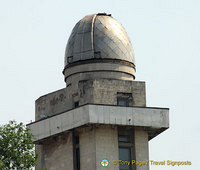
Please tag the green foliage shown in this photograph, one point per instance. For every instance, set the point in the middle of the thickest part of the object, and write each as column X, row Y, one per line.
column 16, row 147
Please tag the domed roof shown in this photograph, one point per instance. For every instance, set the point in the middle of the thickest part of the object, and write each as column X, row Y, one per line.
column 98, row 36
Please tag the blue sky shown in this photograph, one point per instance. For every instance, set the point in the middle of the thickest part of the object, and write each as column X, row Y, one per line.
column 165, row 35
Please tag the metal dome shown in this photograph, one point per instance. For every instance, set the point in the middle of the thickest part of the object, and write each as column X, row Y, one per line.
column 98, row 48
column 98, row 36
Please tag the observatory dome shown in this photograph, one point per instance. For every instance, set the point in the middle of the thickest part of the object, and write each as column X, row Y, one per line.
column 99, row 43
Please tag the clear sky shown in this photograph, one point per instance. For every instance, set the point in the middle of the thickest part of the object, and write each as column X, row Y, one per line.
column 165, row 35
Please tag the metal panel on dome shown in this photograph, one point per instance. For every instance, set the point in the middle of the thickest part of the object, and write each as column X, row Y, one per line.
column 111, row 38
column 79, row 46
column 98, row 36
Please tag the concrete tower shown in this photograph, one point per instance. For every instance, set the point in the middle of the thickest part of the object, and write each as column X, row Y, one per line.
column 100, row 120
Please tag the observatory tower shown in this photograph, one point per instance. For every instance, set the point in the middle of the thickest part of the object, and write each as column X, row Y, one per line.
column 100, row 118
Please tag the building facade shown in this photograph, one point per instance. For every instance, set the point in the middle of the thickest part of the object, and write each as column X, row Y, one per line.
column 100, row 119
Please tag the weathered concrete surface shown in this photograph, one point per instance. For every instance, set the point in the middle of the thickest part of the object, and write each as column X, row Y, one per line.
column 56, row 115
column 141, row 148
column 97, row 143
column 97, row 71
column 96, row 91
column 154, row 118
column 56, row 153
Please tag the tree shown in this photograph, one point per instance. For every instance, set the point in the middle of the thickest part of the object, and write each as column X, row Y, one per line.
column 16, row 147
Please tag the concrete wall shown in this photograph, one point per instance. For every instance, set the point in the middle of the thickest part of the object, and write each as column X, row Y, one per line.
column 107, row 146
column 95, row 91
column 98, row 135
column 105, row 91
column 87, row 145
column 141, row 148
column 97, row 143
column 56, row 153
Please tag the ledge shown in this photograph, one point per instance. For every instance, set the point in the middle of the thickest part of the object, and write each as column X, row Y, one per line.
column 154, row 120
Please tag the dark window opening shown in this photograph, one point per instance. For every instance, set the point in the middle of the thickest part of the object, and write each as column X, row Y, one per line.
column 76, row 104
column 123, row 138
column 70, row 59
column 122, row 102
column 77, row 159
column 125, row 155
column 124, row 99
column 97, row 54
column 77, row 140
column 126, row 147
column 77, row 153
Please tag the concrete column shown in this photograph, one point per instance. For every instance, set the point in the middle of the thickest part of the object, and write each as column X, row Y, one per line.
column 87, row 147
column 107, row 146
column 141, row 148
column 56, row 153
column 97, row 143
column 39, row 150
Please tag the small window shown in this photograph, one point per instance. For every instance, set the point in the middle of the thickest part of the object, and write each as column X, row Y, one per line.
column 123, row 138
column 77, row 140
column 77, row 159
column 124, row 99
column 70, row 59
column 76, row 104
column 97, row 54
column 122, row 102
column 77, row 152
column 126, row 146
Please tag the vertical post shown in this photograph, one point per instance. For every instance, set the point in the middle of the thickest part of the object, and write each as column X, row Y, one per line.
column 141, row 148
